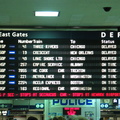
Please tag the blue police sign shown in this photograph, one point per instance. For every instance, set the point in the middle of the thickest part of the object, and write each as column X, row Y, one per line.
column 72, row 102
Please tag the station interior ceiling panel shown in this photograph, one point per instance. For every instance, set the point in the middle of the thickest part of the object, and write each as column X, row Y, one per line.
column 73, row 14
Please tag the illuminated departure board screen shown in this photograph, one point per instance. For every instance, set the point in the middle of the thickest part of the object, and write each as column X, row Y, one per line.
column 53, row 64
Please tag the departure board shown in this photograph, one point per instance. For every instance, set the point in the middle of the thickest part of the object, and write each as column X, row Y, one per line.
column 56, row 64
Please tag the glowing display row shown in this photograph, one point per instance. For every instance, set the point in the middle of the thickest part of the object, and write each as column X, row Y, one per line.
column 61, row 94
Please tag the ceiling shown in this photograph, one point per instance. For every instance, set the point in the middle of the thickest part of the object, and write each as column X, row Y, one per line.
column 73, row 13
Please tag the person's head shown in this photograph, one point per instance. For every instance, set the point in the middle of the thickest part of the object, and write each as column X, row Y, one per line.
column 80, row 118
column 69, row 118
column 61, row 118
column 55, row 118
column 32, row 118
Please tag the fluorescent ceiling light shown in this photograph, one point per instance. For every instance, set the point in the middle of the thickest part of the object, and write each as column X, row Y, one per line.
column 47, row 13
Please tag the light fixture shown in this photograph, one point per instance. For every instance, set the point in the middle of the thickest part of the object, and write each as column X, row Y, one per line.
column 47, row 13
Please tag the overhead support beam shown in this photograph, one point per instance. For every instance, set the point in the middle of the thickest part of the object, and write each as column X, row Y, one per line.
column 59, row 27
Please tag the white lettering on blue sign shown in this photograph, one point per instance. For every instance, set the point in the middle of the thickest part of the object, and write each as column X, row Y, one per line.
column 73, row 102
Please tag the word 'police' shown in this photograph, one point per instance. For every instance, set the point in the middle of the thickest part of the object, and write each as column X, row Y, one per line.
column 72, row 102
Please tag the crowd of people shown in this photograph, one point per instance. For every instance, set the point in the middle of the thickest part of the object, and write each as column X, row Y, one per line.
column 62, row 118
column 71, row 118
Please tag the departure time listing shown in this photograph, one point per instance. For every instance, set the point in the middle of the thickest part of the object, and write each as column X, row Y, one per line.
column 59, row 64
